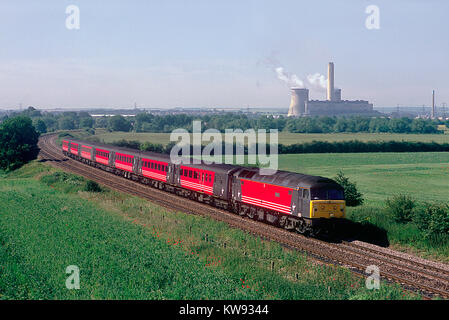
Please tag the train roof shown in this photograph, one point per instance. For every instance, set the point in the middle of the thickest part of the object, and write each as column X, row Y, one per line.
column 128, row 151
column 217, row 167
column 281, row 178
column 288, row 179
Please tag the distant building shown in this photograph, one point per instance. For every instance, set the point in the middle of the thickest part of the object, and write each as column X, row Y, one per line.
column 301, row 105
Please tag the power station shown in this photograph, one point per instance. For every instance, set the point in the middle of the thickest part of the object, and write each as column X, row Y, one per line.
column 300, row 104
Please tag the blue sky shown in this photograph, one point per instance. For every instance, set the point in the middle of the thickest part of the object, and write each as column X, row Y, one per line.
column 219, row 53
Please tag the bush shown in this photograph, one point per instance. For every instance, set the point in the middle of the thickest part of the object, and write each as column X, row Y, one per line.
column 433, row 220
column 154, row 147
column 65, row 135
column 401, row 208
column 352, row 196
column 131, row 144
column 18, row 143
column 92, row 186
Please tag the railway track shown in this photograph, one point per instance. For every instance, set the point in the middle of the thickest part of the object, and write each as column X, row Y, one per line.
column 415, row 274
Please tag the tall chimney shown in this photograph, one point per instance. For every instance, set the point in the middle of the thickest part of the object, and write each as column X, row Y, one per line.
column 433, row 104
column 330, row 81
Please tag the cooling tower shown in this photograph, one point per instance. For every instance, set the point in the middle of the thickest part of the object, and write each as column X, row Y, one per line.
column 298, row 104
column 330, row 81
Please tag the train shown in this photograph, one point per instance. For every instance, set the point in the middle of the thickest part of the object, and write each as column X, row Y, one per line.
column 310, row 205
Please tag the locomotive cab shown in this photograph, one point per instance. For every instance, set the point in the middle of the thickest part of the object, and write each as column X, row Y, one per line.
column 327, row 202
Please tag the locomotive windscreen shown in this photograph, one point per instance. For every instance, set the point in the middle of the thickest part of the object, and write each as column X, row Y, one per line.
column 327, row 194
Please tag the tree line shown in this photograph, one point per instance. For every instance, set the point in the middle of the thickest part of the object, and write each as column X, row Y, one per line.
column 146, row 122
column 156, row 123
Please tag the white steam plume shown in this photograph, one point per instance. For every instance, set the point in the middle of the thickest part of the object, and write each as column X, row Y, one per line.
column 317, row 80
column 291, row 80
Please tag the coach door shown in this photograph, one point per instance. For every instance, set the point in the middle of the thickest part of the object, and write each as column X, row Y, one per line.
column 173, row 172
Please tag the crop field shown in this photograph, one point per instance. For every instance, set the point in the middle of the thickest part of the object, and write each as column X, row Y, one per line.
column 128, row 248
column 284, row 137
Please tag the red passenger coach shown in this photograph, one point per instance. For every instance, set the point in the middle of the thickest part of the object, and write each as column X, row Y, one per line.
column 124, row 161
column 86, row 152
column 65, row 145
column 266, row 195
column 102, row 156
column 154, row 169
column 74, row 148
column 197, row 179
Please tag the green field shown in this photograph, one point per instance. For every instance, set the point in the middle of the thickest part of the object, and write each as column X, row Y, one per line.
column 128, row 248
column 423, row 175
column 284, row 137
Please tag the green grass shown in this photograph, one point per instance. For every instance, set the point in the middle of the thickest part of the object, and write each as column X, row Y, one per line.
column 128, row 248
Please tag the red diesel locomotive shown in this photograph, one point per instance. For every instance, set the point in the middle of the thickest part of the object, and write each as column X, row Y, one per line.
column 294, row 201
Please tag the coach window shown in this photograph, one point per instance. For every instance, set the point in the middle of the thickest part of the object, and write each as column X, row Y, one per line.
column 277, row 195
